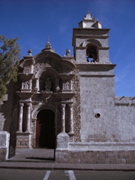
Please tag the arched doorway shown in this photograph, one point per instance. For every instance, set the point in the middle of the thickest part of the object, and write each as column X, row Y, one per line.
column 45, row 129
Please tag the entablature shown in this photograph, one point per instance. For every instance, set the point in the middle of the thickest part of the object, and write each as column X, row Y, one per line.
column 90, row 66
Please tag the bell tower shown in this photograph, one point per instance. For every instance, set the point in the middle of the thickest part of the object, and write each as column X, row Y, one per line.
column 96, row 79
column 90, row 41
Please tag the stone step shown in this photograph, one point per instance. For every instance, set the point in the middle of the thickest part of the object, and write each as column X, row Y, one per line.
column 31, row 159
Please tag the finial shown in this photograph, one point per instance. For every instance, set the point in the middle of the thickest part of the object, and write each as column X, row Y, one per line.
column 29, row 52
column 68, row 52
column 48, row 47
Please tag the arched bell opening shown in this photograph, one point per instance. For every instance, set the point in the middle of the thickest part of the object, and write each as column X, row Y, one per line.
column 92, row 53
column 45, row 129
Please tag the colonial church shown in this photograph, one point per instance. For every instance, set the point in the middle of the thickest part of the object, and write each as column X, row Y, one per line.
column 68, row 103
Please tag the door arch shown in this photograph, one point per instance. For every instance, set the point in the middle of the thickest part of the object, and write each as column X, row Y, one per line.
column 45, row 129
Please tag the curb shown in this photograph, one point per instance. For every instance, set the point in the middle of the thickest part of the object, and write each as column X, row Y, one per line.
column 60, row 166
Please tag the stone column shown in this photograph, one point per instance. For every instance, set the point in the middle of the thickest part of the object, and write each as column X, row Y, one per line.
column 30, row 87
column 63, row 117
column 21, row 117
column 63, row 137
column 71, row 119
column 28, row 117
column 71, row 85
column 37, row 85
column 32, row 68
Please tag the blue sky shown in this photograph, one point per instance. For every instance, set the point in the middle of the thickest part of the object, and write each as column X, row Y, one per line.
column 34, row 20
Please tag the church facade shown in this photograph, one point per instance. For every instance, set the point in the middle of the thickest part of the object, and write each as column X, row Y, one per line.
column 69, row 104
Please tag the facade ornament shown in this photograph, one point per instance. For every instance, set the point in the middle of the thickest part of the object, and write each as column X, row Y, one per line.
column 68, row 52
column 26, row 85
column 29, row 52
column 48, row 47
column 66, row 86
column 27, row 70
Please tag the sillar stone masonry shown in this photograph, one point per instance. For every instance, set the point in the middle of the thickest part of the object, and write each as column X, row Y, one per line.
column 68, row 103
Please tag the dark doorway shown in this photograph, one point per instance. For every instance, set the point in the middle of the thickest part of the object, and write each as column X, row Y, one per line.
column 45, row 129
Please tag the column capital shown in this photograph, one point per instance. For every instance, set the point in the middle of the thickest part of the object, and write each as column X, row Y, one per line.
column 63, row 105
column 70, row 105
column 21, row 104
column 28, row 104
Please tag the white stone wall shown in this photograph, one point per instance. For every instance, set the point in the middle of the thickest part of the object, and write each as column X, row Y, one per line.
column 97, row 96
column 125, row 119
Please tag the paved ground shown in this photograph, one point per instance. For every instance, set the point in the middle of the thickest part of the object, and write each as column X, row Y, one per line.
column 39, row 164
column 33, row 155
column 25, row 174
column 43, row 159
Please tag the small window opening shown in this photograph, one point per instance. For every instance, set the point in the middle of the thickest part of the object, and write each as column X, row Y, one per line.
column 97, row 115
column 91, row 53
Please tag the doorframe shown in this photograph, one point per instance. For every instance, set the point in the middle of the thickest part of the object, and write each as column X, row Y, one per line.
column 54, row 110
column 35, row 112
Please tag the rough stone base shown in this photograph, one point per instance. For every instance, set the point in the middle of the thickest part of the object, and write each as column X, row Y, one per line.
column 62, row 141
column 4, row 145
column 23, row 140
column 95, row 157
column 3, row 154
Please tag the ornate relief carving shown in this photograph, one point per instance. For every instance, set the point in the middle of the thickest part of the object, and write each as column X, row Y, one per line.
column 23, row 141
column 26, row 85
column 76, row 108
column 66, row 85
column 38, row 69
column 48, row 84
column 27, row 70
